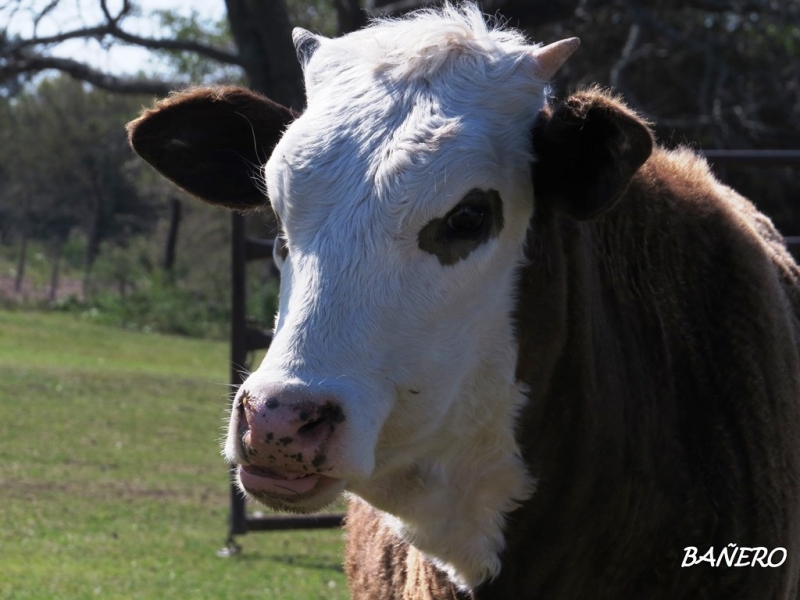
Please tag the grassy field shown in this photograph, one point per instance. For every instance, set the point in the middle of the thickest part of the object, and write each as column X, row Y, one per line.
column 111, row 483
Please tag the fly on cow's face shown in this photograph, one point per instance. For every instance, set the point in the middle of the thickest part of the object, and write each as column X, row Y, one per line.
column 472, row 222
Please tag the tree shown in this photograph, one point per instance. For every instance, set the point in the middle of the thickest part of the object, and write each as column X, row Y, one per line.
column 262, row 49
column 713, row 68
column 66, row 166
column 711, row 74
column 718, row 73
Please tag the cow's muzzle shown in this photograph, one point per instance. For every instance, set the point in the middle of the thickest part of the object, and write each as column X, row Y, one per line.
column 284, row 437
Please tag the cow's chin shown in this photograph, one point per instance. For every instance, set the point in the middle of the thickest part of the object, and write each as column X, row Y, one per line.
column 293, row 492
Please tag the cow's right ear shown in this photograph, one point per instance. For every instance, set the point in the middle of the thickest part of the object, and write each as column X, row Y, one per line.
column 587, row 150
column 212, row 142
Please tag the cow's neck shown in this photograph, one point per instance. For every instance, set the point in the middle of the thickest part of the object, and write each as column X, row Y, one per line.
column 456, row 502
column 609, row 432
column 575, row 430
column 452, row 500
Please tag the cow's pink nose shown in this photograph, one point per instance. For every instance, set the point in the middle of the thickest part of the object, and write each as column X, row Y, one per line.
column 288, row 430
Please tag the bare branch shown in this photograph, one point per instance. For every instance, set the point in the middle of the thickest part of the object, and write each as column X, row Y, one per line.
column 179, row 45
column 645, row 18
column 87, row 32
column 78, row 70
column 112, row 29
column 45, row 11
column 20, row 57
column 625, row 55
column 112, row 20
column 151, row 43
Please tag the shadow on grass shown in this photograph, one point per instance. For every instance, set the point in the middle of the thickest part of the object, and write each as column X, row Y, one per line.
column 294, row 560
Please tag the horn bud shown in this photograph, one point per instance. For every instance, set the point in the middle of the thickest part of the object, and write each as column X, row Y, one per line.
column 553, row 56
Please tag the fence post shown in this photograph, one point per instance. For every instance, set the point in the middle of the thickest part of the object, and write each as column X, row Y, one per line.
column 237, row 524
column 243, row 340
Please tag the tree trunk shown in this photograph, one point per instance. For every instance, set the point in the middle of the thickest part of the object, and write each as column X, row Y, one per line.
column 350, row 15
column 23, row 255
column 122, row 285
column 52, row 293
column 262, row 31
column 172, row 238
column 92, row 249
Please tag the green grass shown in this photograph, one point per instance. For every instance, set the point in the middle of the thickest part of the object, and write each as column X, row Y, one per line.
column 111, row 483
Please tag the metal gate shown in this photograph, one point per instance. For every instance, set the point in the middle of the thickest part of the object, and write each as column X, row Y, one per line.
column 246, row 339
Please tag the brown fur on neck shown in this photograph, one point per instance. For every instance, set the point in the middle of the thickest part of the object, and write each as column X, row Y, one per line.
column 659, row 343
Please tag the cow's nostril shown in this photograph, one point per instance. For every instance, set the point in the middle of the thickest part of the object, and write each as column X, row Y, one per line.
column 324, row 422
column 310, row 428
column 241, row 418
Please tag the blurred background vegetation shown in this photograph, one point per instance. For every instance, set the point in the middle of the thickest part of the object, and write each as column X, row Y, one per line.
column 86, row 227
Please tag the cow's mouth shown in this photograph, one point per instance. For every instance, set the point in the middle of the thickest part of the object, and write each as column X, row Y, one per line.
column 264, row 483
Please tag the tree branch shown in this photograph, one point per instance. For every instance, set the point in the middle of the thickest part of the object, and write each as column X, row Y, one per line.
column 126, row 8
column 87, row 32
column 44, row 12
column 111, row 28
column 180, row 45
column 625, row 55
column 542, row 12
column 78, row 70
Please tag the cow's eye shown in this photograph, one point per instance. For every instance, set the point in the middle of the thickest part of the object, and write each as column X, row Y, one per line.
column 280, row 250
column 468, row 220
column 472, row 222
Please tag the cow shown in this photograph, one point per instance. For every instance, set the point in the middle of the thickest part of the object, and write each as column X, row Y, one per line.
column 545, row 357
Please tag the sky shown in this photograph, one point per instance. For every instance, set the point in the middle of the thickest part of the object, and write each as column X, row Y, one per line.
column 72, row 14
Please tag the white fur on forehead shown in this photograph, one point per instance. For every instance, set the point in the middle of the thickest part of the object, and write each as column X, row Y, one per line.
column 455, row 111
column 427, row 41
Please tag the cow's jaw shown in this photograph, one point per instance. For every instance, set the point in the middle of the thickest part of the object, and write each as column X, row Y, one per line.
column 445, row 484
column 445, row 477
column 451, row 496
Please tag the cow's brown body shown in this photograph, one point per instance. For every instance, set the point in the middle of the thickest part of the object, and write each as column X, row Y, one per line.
column 659, row 341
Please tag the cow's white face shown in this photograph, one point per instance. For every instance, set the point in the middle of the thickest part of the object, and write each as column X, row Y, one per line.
column 404, row 193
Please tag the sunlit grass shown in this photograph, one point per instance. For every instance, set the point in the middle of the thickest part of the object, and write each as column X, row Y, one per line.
column 111, row 483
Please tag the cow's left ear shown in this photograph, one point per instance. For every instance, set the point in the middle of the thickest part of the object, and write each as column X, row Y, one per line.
column 587, row 148
column 212, row 142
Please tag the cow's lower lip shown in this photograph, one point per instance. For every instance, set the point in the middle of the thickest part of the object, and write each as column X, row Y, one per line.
column 266, row 482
